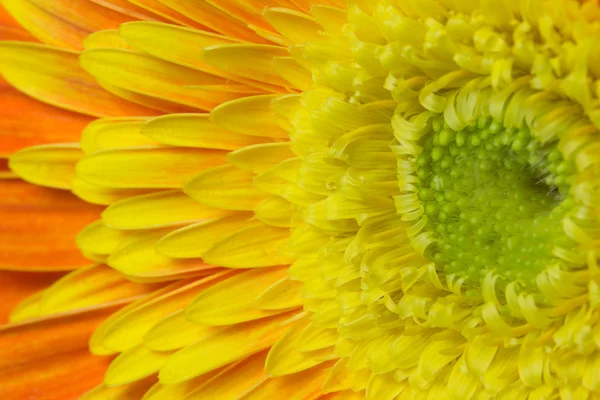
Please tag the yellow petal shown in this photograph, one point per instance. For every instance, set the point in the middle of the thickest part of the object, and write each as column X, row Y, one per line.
column 253, row 61
column 140, row 262
column 55, row 77
column 231, row 344
column 285, row 293
column 87, row 287
column 233, row 300
column 293, row 72
column 147, row 167
column 227, row 187
column 260, row 157
column 316, row 338
column 256, row 246
column 233, row 383
column 134, row 364
column 384, row 387
column 47, row 165
column 107, row 39
column 158, row 39
column 111, row 133
column 295, row 26
column 148, row 211
column 183, row 389
column 99, row 239
column 285, row 359
column 275, row 211
column 252, row 116
column 150, row 76
column 102, row 195
column 175, row 332
column 195, row 130
column 194, row 240
column 126, row 328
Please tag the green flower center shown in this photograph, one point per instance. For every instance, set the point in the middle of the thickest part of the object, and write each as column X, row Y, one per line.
column 494, row 198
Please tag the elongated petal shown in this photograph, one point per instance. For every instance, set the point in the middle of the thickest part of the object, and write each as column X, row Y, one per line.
column 18, row 285
column 233, row 300
column 111, row 133
column 195, row 130
column 62, row 22
column 235, row 381
column 157, row 7
column 147, row 167
column 230, row 344
column 40, row 226
column 27, row 122
column 285, row 359
column 150, row 76
column 215, row 19
column 102, row 195
column 141, row 262
column 47, row 165
column 94, row 285
column 251, row 61
column 132, row 391
column 134, row 364
column 50, row 356
column 252, row 116
column 194, row 240
column 261, row 157
column 175, row 332
column 126, row 328
column 301, row 386
column 295, row 26
column 285, row 293
column 54, row 76
column 147, row 211
column 256, row 246
column 225, row 186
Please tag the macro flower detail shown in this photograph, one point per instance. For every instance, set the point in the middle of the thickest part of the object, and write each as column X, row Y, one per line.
column 300, row 199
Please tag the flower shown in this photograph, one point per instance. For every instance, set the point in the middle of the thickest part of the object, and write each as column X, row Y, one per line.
column 312, row 199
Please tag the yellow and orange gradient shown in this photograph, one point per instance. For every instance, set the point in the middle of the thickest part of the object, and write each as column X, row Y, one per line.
column 299, row 199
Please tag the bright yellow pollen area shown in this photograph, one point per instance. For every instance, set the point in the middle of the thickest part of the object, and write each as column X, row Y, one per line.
column 378, row 200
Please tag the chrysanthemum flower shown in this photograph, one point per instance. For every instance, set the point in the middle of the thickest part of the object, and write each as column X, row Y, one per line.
column 300, row 199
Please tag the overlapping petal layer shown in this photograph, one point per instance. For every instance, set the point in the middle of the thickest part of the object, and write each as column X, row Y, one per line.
column 380, row 200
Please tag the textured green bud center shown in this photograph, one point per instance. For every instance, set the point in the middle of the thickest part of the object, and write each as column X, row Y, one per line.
column 494, row 198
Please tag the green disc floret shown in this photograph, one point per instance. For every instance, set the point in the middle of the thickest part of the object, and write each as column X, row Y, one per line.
column 494, row 199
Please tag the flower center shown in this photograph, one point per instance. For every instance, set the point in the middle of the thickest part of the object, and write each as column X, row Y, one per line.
column 494, row 198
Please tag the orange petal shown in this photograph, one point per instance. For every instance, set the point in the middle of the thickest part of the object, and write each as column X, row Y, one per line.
column 11, row 30
column 63, row 23
column 215, row 19
column 27, row 122
column 40, row 226
column 54, row 76
column 157, row 7
column 132, row 391
column 17, row 285
column 50, row 357
column 305, row 385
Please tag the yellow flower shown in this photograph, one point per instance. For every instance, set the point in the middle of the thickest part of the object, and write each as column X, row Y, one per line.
column 360, row 199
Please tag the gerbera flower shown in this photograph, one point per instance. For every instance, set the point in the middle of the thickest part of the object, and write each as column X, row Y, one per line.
column 300, row 199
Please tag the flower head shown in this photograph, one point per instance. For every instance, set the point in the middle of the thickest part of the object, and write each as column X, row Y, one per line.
column 319, row 199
